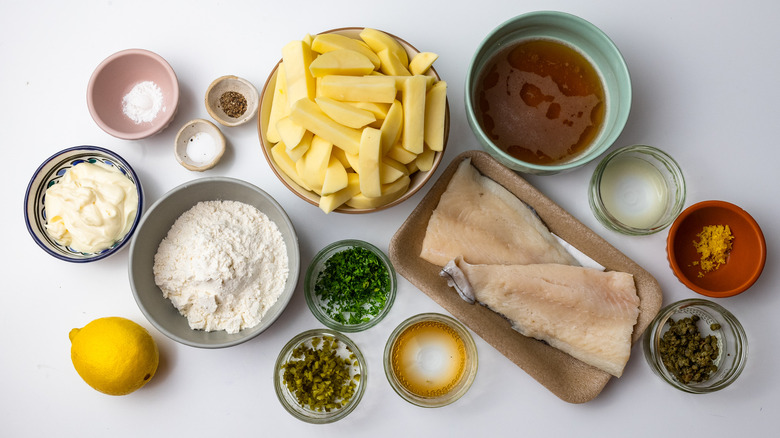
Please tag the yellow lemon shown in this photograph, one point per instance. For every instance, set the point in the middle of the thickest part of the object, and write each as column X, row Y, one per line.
column 114, row 355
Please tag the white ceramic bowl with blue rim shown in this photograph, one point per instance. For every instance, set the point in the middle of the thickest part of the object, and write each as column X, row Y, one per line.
column 50, row 173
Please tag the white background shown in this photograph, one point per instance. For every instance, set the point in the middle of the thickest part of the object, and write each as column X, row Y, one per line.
column 705, row 83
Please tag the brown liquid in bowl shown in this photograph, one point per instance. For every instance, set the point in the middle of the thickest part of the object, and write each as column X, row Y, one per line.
column 541, row 101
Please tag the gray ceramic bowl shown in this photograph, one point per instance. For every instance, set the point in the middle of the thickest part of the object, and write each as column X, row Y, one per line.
column 48, row 174
column 154, row 227
column 574, row 32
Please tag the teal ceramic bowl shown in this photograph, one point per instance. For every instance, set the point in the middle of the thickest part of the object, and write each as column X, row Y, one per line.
column 585, row 38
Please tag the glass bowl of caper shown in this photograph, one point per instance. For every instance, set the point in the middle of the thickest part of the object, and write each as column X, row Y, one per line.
column 696, row 345
column 320, row 376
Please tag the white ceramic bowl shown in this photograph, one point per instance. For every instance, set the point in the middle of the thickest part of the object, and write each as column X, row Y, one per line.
column 48, row 174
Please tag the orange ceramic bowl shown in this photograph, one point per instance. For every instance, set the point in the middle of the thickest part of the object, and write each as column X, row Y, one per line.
column 744, row 263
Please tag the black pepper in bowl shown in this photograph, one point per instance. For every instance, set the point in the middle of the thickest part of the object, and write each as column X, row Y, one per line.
column 233, row 104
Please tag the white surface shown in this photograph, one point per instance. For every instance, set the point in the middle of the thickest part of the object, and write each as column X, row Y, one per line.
column 705, row 90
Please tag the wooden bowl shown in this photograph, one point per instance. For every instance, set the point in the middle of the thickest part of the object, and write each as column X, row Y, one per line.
column 744, row 263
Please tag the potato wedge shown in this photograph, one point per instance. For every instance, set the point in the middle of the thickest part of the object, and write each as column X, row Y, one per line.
column 391, row 65
column 421, row 62
column 297, row 57
column 331, row 202
column 341, row 62
column 359, row 88
column 435, row 112
column 414, row 114
column 306, row 113
column 368, row 162
column 344, row 113
column 286, row 165
column 379, row 41
column 335, row 177
column 328, row 42
column 390, row 192
column 290, row 132
column 279, row 105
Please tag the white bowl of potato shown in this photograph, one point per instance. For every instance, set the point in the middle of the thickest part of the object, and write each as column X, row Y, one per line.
column 353, row 120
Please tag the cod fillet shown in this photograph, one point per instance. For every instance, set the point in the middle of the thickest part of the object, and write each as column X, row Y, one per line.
column 483, row 222
column 587, row 313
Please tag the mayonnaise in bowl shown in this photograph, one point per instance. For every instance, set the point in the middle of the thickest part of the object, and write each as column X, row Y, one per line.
column 91, row 207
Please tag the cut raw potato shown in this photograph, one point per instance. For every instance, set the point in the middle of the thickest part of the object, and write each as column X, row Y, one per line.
column 297, row 57
column 435, row 113
column 306, row 113
column 344, row 113
column 341, row 62
column 328, row 42
column 368, row 163
column 414, row 114
column 335, row 177
column 352, row 119
column 379, row 41
column 329, row 203
column 359, row 88
column 279, row 106
column 422, row 62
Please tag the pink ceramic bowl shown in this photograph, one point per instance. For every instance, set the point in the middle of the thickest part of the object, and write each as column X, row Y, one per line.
column 115, row 77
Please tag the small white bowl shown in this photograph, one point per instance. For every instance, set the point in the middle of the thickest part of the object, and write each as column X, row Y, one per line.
column 226, row 84
column 199, row 145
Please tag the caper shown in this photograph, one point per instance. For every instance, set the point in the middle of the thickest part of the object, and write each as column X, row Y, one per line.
column 686, row 354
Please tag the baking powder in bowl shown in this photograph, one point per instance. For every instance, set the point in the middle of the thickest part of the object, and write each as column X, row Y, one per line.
column 143, row 102
column 223, row 264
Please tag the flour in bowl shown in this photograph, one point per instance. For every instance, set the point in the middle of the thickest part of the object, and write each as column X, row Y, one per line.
column 223, row 264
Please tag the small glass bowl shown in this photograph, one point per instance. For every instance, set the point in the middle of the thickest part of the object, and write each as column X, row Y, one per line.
column 732, row 342
column 423, row 343
column 623, row 177
column 287, row 398
column 317, row 305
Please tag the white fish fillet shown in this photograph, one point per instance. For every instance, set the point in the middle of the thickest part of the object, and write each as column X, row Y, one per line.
column 587, row 313
column 483, row 222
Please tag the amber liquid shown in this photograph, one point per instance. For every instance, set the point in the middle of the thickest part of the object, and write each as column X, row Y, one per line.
column 541, row 101
column 429, row 358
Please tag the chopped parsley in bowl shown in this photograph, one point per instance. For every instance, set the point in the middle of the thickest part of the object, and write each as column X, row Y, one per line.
column 350, row 285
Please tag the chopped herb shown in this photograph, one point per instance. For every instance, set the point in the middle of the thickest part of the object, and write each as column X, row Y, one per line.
column 353, row 286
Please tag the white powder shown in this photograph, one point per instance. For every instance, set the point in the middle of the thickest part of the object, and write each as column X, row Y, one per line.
column 223, row 264
column 143, row 102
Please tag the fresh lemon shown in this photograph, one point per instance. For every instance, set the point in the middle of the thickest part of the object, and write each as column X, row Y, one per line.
column 114, row 355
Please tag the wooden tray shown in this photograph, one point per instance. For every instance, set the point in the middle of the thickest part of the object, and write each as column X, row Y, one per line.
column 568, row 378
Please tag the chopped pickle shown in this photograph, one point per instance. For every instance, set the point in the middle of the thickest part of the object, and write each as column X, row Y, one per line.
column 318, row 377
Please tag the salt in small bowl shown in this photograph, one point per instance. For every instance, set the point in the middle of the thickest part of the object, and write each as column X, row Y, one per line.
column 199, row 145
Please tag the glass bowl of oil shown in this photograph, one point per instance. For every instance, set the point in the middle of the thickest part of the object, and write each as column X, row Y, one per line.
column 637, row 190
column 430, row 360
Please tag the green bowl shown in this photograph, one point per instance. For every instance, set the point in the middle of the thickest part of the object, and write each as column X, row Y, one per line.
column 589, row 41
